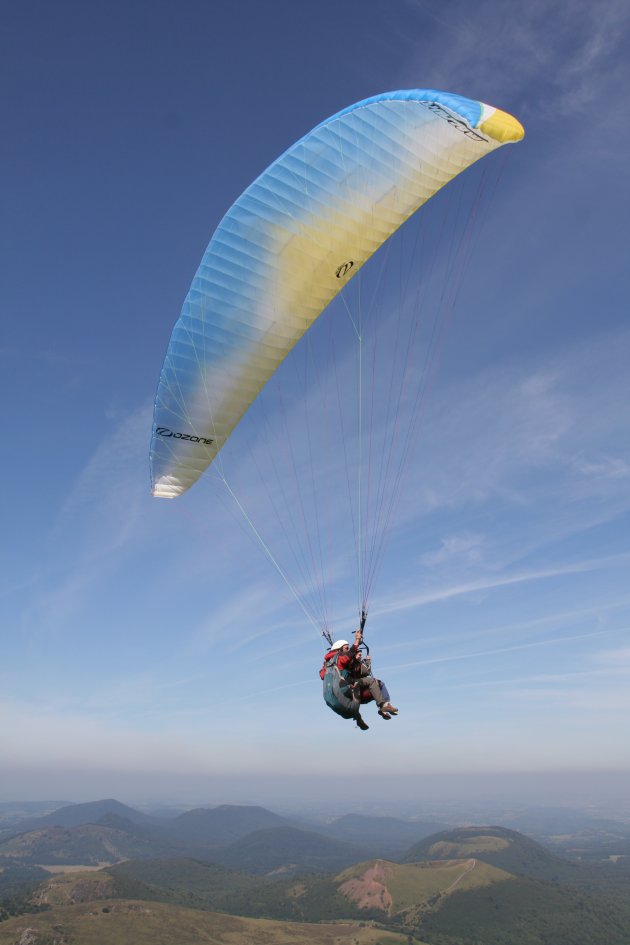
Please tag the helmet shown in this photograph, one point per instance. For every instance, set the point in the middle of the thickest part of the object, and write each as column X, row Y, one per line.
column 338, row 644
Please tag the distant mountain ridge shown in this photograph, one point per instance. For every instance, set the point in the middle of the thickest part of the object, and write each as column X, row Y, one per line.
column 245, row 838
column 77, row 815
column 225, row 834
column 288, row 850
column 222, row 825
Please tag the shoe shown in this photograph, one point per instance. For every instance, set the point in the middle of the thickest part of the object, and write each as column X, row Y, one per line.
column 388, row 707
column 361, row 724
column 384, row 715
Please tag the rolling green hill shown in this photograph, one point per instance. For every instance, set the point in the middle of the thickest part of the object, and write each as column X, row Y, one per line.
column 444, row 902
column 407, row 891
column 378, row 889
column 526, row 912
column 467, row 886
column 497, row 846
column 287, row 850
column 16, row 877
column 126, row 921
column 183, row 881
column 88, row 845
column 203, row 886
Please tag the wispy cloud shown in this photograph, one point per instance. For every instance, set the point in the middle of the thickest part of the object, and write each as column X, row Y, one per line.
column 106, row 495
column 572, row 58
column 466, row 547
column 99, row 518
column 602, row 468
column 616, row 660
column 494, row 651
column 430, row 596
column 234, row 623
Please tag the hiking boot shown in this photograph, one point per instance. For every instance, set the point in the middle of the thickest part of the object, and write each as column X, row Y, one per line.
column 384, row 715
column 389, row 708
column 361, row 724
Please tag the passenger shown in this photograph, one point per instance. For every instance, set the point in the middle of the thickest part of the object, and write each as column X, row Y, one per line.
column 356, row 671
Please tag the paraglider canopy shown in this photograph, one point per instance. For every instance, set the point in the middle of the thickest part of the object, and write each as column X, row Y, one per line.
column 289, row 244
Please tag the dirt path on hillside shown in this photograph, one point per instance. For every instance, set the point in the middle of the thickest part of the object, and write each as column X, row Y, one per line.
column 470, row 865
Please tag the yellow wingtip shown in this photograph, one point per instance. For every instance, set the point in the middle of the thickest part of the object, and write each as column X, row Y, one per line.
column 502, row 127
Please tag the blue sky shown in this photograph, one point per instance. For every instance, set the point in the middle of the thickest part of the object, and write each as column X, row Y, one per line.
column 149, row 646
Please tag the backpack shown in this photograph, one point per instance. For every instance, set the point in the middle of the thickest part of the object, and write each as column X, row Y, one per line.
column 339, row 692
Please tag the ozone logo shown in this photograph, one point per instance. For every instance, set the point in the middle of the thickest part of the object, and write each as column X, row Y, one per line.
column 164, row 431
column 454, row 120
column 344, row 269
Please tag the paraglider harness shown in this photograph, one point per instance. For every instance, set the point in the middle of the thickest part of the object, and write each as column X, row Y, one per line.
column 342, row 692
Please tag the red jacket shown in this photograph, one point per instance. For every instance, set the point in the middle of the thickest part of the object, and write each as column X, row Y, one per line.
column 344, row 661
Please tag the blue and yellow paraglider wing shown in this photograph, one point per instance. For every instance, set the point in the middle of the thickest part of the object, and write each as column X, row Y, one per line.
column 289, row 244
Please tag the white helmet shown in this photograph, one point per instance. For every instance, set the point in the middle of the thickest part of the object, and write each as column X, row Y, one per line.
column 338, row 644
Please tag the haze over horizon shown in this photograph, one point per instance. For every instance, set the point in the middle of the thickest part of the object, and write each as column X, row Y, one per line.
column 468, row 797
column 149, row 648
